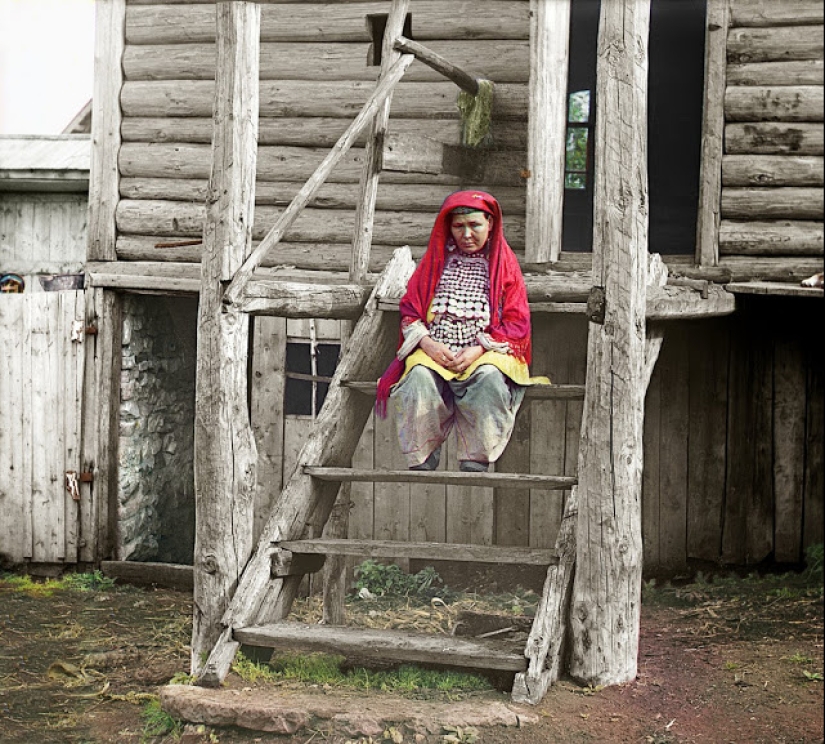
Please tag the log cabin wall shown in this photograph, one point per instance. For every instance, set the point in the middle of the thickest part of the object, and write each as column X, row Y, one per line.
column 316, row 72
column 772, row 166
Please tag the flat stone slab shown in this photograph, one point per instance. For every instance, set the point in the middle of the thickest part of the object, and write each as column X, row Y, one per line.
column 286, row 711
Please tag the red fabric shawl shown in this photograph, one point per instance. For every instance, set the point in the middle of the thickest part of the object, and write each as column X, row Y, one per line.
column 509, row 310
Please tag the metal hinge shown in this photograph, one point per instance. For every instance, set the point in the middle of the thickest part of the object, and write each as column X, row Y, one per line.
column 73, row 481
column 80, row 329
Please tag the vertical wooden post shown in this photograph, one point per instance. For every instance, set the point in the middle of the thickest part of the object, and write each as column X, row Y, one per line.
column 713, row 133
column 604, row 618
column 547, row 127
column 225, row 453
column 365, row 215
column 104, row 176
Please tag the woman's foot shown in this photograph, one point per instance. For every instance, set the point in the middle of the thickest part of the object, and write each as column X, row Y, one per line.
column 431, row 463
column 472, row 466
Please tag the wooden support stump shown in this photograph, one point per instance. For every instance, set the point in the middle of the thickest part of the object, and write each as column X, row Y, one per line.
column 225, row 453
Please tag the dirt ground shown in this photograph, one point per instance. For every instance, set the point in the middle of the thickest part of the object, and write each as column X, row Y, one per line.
column 736, row 660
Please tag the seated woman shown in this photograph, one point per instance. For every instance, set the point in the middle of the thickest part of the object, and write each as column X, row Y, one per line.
column 464, row 352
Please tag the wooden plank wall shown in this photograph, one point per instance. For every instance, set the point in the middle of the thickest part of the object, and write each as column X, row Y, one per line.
column 41, row 382
column 772, row 167
column 314, row 78
column 42, row 233
column 733, row 469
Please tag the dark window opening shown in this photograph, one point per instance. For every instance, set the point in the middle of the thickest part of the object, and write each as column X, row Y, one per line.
column 308, row 376
column 675, row 100
column 377, row 25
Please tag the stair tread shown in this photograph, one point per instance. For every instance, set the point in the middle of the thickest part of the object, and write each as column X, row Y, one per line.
column 500, row 554
column 533, row 392
column 401, row 646
column 445, row 477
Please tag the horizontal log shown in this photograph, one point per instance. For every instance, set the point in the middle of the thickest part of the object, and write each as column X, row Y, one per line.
column 443, row 477
column 296, row 300
column 136, row 249
column 391, row 196
column 684, row 303
column 277, row 163
column 759, row 103
column 771, row 238
column 775, row 44
column 784, row 289
column 773, row 13
column 747, row 268
column 502, row 61
column 412, row 153
column 382, row 645
column 772, row 170
column 432, row 551
column 764, row 138
column 772, row 203
column 310, row 131
column 533, row 392
column 343, row 99
column 801, row 72
column 181, row 219
column 167, row 575
column 314, row 22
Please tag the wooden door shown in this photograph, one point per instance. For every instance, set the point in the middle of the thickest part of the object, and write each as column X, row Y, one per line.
column 41, row 382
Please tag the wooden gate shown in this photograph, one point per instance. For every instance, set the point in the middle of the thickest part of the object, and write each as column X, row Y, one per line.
column 41, row 384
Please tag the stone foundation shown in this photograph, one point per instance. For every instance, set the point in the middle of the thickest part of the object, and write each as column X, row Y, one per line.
column 156, row 493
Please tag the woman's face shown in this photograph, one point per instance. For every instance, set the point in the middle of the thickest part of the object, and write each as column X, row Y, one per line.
column 470, row 231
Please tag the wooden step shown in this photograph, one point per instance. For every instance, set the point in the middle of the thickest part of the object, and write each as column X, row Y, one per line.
column 533, row 392
column 444, row 477
column 427, row 550
column 390, row 305
column 395, row 646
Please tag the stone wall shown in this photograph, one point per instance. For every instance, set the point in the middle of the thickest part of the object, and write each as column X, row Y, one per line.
column 157, row 407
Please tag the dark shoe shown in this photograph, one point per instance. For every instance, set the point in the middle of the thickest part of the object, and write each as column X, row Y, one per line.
column 471, row 466
column 431, row 463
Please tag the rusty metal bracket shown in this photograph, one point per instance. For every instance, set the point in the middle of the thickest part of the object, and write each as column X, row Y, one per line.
column 80, row 329
column 596, row 305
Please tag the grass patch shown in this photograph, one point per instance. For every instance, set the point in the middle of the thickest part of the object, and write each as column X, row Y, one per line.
column 79, row 582
column 325, row 670
column 157, row 722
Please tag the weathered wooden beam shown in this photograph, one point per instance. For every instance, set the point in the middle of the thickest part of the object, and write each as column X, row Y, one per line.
column 772, row 170
column 775, row 43
column 771, row 238
column 547, row 127
column 760, row 103
column 787, row 202
column 685, row 303
column 225, row 454
column 713, row 127
column 534, row 392
column 296, row 300
column 383, row 645
column 382, row 91
column 432, row 551
column 604, row 615
column 772, row 13
column 410, row 153
column 779, row 138
column 792, row 72
column 335, row 22
column 371, row 167
column 447, row 477
column 169, row 575
column 435, row 61
column 331, row 443
column 777, row 289
column 106, row 118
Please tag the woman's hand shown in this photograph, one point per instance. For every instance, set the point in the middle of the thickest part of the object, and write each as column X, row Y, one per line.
column 465, row 358
column 438, row 352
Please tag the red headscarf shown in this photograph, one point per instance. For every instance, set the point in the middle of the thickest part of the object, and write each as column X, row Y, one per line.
column 509, row 310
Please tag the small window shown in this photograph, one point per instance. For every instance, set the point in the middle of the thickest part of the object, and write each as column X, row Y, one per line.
column 579, row 138
column 309, row 370
column 377, row 25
